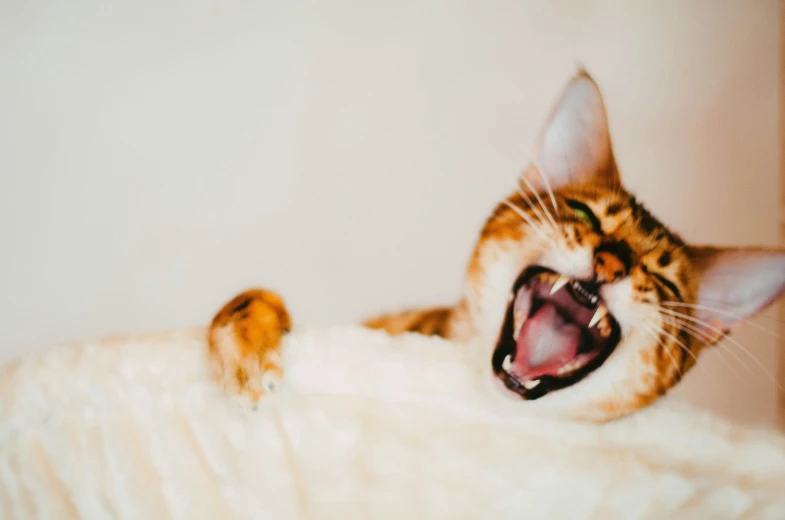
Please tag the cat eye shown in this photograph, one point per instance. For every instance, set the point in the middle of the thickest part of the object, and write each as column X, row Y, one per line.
column 669, row 285
column 584, row 214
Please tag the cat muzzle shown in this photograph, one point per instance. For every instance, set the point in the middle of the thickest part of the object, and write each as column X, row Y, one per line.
column 556, row 331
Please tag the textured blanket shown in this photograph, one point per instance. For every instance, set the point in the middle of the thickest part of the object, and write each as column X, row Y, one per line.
column 365, row 426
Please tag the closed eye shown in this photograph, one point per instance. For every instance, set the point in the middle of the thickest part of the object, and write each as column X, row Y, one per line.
column 585, row 214
column 669, row 285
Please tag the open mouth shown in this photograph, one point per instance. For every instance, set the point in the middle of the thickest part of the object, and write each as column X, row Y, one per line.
column 556, row 331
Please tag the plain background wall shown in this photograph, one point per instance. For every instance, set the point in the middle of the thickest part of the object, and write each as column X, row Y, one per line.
column 781, row 353
column 158, row 157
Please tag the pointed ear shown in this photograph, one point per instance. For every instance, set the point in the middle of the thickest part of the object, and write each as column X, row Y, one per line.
column 574, row 146
column 734, row 284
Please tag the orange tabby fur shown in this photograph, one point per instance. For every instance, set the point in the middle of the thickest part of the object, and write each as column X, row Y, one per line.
column 245, row 342
column 246, row 335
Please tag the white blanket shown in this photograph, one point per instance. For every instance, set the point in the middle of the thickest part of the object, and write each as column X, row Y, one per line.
column 366, row 426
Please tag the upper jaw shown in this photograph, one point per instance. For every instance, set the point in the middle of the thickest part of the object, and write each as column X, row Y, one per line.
column 583, row 307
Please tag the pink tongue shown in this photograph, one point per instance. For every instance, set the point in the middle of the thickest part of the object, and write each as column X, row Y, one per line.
column 545, row 344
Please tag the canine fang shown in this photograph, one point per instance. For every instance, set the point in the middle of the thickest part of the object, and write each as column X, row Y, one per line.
column 528, row 385
column 602, row 311
column 507, row 363
column 561, row 282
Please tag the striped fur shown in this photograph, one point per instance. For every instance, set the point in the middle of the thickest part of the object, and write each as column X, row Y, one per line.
column 430, row 322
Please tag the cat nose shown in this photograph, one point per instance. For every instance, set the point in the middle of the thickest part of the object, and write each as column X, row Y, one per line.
column 608, row 267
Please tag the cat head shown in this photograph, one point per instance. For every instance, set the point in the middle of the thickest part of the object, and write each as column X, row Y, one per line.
column 594, row 307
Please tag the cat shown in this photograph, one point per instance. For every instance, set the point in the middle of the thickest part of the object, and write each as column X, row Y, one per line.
column 590, row 307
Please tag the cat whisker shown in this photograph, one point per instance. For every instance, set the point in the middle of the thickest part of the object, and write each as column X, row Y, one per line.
column 726, row 313
column 540, row 217
column 529, row 220
column 653, row 328
column 547, row 183
column 706, row 340
column 689, row 329
column 664, row 349
column 542, row 205
column 541, row 243
column 723, row 335
column 679, row 342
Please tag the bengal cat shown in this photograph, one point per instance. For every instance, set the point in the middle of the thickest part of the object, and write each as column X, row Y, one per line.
column 588, row 304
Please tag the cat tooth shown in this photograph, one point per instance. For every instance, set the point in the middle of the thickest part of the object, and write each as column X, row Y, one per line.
column 602, row 311
column 528, row 385
column 561, row 282
column 569, row 367
column 518, row 319
column 563, row 370
column 507, row 363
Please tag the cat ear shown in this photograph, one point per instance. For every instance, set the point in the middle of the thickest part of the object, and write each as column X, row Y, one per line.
column 574, row 146
column 734, row 284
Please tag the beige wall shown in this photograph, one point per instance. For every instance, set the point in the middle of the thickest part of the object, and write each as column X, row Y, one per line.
column 781, row 351
column 155, row 159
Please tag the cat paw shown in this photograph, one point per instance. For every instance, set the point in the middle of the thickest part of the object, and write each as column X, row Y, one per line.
column 246, row 343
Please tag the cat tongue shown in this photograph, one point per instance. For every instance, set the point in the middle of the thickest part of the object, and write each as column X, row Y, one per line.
column 546, row 342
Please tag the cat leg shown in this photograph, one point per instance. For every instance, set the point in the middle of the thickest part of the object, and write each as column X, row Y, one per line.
column 430, row 322
column 245, row 343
